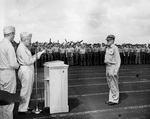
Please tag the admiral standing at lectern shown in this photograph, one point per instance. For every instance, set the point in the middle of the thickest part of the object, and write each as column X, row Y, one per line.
column 26, row 70
column 112, row 60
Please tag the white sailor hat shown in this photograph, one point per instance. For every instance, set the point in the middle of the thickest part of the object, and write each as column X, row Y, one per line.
column 25, row 35
column 9, row 29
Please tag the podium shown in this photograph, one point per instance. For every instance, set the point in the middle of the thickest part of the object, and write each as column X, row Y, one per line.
column 56, row 86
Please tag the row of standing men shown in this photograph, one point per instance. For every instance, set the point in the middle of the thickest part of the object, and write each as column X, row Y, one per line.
column 88, row 54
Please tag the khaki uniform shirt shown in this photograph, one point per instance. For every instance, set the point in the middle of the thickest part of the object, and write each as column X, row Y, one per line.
column 143, row 49
column 82, row 51
column 24, row 55
column 62, row 50
column 148, row 50
column 77, row 48
column 50, row 50
column 138, row 50
column 56, row 49
column 96, row 49
column 8, row 58
column 112, row 56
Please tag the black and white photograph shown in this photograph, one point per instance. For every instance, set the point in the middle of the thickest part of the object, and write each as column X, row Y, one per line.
column 74, row 59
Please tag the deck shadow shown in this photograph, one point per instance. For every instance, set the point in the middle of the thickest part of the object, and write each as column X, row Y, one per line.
column 73, row 103
column 123, row 96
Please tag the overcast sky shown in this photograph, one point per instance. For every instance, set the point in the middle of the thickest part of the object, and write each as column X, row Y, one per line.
column 75, row 20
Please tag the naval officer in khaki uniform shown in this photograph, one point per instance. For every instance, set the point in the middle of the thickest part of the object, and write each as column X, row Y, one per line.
column 112, row 60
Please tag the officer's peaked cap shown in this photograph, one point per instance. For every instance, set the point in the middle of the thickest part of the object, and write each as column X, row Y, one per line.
column 110, row 36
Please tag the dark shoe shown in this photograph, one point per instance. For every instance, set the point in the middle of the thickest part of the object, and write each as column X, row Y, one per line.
column 106, row 102
column 30, row 109
column 112, row 103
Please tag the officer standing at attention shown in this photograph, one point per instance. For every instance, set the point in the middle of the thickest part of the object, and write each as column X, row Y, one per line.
column 26, row 70
column 8, row 64
column 113, row 61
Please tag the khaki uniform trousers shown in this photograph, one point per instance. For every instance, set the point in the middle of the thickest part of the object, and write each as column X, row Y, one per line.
column 26, row 76
column 7, row 83
column 112, row 81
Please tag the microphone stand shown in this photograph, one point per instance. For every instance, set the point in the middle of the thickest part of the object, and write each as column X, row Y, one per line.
column 36, row 110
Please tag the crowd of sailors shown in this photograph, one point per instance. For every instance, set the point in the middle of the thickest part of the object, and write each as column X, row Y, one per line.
column 84, row 54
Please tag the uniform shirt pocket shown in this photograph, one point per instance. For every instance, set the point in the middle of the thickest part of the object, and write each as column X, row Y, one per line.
column 109, row 55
